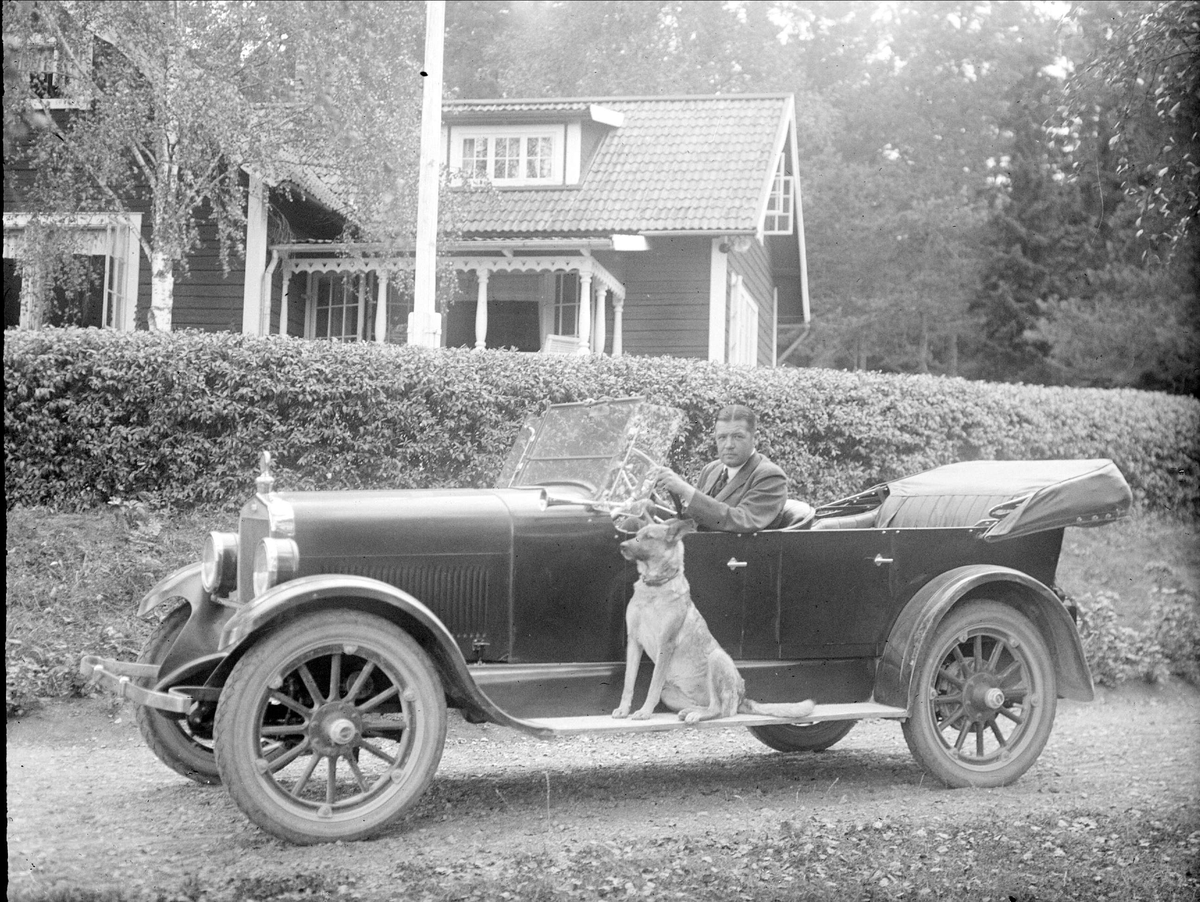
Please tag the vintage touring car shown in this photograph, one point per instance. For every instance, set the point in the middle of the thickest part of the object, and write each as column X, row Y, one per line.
column 311, row 663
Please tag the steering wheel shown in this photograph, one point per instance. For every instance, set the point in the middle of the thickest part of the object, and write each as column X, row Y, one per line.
column 660, row 503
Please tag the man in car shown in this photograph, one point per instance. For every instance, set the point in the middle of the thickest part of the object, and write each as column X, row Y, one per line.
column 740, row 491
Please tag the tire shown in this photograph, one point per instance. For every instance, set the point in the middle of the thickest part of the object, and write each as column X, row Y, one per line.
column 183, row 744
column 330, row 728
column 984, row 697
column 813, row 737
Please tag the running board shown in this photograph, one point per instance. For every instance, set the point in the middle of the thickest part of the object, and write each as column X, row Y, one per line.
column 550, row 727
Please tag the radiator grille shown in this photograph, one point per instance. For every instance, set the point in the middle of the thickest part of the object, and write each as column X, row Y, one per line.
column 456, row 593
column 250, row 532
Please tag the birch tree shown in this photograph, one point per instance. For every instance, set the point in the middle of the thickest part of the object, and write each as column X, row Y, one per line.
column 186, row 97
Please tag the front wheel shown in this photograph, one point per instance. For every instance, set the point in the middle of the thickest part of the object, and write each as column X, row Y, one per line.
column 330, row 728
column 802, row 737
column 183, row 744
column 984, row 699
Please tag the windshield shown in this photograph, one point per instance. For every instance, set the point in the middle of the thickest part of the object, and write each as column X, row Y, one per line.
column 600, row 449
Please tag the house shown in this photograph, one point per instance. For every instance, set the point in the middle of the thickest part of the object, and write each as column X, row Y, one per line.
column 620, row 225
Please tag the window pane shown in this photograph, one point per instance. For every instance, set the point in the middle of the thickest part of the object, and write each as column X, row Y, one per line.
column 475, row 151
column 45, row 80
column 566, row 303
column 508, row 158
column 537, row 158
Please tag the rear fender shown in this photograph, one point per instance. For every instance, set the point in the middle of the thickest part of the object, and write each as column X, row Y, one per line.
column 313, row 593
column 912, row 633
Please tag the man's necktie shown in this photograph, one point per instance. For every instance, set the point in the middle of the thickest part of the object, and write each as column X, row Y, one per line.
column 720, row 483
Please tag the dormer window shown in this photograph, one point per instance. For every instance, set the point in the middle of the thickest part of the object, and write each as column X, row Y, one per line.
column 54, row 81
column 781, row 203
column 509, row 157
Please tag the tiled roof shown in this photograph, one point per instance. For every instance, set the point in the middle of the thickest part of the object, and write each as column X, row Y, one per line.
column 515, row 106
column 676, row 164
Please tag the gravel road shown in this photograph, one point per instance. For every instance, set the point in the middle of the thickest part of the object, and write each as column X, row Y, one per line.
column 90, row 807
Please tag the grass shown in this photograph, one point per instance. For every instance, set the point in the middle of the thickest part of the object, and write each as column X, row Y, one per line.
column 1130, row 856
column 74, row 580
column 1142, row 560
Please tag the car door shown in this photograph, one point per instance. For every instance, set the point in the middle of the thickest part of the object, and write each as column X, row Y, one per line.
column 836, row 593
column 734, row 580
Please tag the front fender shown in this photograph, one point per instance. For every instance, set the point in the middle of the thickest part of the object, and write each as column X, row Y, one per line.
column 197, row 642
column 913, row 630
column 183, row 583
column 299, row 596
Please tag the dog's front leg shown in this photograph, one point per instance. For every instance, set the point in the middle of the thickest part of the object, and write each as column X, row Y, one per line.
column 661, row 667
column 633, row 658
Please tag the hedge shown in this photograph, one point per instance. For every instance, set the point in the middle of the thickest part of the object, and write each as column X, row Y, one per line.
column 179, row 419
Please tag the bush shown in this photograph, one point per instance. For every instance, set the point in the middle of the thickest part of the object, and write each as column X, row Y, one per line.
column 1170, row 646
column 179, row 419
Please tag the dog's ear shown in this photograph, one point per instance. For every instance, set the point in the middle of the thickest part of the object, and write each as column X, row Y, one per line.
column 677, row 529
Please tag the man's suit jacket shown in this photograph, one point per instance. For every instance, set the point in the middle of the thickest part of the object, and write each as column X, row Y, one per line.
column 751, row 501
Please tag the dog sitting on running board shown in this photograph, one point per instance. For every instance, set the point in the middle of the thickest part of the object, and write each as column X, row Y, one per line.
column 692, row 673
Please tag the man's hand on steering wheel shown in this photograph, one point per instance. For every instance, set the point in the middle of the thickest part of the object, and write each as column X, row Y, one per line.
column 666, row 482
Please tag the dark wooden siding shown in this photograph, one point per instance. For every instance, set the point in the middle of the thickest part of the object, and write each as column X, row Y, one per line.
column 754, row 266
column 666, row 298
column 207, row 297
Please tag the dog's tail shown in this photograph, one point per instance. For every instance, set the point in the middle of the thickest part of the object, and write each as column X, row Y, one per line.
column 777, row 709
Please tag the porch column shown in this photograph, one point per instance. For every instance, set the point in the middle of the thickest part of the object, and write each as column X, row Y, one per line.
column 283, row 300
column 585, row 309
column 381, row 280
column 599, row 334
column 618, row 325
column 481, row 311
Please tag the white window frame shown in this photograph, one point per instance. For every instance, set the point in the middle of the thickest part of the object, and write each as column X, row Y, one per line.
column 75, row 96
column 347, row 291
column 113, row 235
column 561, row 304
column 556, row 134
column 780, row 216
column 742, row 346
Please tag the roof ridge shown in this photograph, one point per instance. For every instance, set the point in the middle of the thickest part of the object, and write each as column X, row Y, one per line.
column 780, row 95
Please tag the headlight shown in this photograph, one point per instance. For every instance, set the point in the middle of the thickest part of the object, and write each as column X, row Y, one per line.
column 218, row 563
column 275, row 561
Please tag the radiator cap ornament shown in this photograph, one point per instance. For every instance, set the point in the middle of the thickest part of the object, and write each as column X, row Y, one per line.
column 266, row 479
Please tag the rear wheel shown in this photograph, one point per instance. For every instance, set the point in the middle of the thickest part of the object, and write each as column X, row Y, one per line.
column 807, row 737
column 985, row 697
column 330, row 728
column 183, row 744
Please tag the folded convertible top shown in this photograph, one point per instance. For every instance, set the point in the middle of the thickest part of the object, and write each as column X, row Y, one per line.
column 1009, row 497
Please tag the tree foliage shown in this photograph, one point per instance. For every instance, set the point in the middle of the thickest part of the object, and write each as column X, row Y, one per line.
column 1137, row 90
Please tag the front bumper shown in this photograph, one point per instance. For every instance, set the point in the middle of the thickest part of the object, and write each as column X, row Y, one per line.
column 120, row 676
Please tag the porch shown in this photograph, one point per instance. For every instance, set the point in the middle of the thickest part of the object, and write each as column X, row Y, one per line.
column 556, row 299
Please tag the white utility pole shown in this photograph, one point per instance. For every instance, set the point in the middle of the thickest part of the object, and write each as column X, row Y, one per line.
column 425, row 323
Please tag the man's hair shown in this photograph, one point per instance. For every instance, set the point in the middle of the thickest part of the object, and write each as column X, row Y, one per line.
column 739, row 412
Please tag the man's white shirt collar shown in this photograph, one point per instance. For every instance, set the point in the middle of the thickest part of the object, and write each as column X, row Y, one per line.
column 731, row 474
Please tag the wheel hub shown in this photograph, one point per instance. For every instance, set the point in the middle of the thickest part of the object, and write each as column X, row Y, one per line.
column 982, row 698
column 335, row 728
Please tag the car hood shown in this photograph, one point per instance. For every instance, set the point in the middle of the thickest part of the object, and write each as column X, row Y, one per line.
column 410, row 522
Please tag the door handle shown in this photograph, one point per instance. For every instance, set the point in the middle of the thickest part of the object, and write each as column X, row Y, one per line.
column 880, row 560
column 735, row 564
